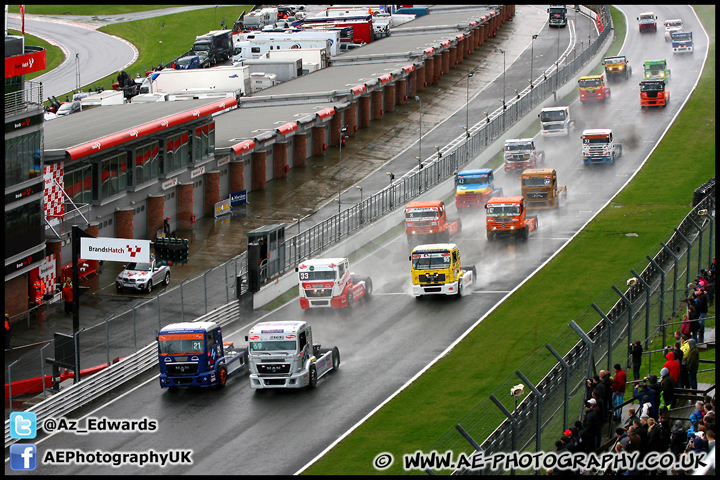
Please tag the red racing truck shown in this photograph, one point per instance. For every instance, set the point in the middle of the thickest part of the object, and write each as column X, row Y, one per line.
column 427, row 222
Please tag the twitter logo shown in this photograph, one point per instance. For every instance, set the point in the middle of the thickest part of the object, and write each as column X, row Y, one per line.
column 23, row 425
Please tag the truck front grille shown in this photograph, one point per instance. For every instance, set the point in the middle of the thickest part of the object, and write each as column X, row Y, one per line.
column 265, row 368
column 319, row 293
column 181, row 368
column 440, row 277
column 537, row 195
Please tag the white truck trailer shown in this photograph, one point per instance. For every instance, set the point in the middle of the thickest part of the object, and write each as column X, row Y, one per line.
column 217, row 78
column 295, row 36
column 260, row 48
column 308, row 55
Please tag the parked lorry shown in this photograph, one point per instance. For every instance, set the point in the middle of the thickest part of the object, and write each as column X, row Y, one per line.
column 593, row 88
column 283, row 355
column 309, row 56
column 507, row 216
column 647, row 22
column 362, row 26
column 217, row 45
column 520, row 153
column 437, row 270
column 284, row 69
column 217, row 78
column 556, row 122
column 257, row 19
column 328, row 283
column 557, row 16
column 598, row 146
column 674, row 25
column 540, row 188
column 656, row 70
column 193, row 354
column 682, row 42
column 473, row 188
column 617, row 67
column 427, row 221
column 259, row 48
column 294, row 36
column 654, row 93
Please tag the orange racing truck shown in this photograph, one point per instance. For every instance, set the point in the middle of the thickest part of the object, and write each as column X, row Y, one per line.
column 540, row 188
column 593, row 88
column 654, row 93
column 427, row 221
column 507, row 216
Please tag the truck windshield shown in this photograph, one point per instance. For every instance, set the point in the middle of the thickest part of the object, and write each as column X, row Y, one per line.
column 552, row 116
column 273, row 345
column 557, row 10
column 516, row 147
column 647, row 17
column 473, row 179
column 681, row 37
column 590, row 82
column 317, row 275
column 421, row 214
column 536, row 181
column 596, row 140
column 185, row 60
column 673, row 24
column 503, row 210
column 613, row 60
column 652, row 86
column 430, row 261
column 201, row 47
column 185, row 347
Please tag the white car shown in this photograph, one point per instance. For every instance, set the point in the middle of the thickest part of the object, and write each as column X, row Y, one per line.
column 674, row 25
column 143, row 276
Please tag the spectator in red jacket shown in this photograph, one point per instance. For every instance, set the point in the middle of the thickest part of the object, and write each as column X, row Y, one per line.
column 618, row 390
column 673, row 367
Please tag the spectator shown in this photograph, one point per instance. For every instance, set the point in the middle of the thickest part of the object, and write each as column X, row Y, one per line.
column 699, row 410
column 622, row 439
column 694, row 419
column 694, row 316
column 67, row 294
column 636, row 351
column 702, row 303
column 685, row 349
column 591, row 425
column 677, row 439
column 710, row 436
column 654, row 399
column 618, row 390
column 699, row 444
column 654, row 436
column 634, row 440
column 631, row 417
column 664, row 421
column 601, row 407
column 641, row 430
column 673, row 367
column 693, row 364
column 685, row 326
column 668, row 388
column 711, row 288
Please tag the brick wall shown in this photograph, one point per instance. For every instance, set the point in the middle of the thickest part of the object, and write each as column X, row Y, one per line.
column 351, row 119
column 364, row 111
column 237, row 175
column 185, row 205
column 17, row 295
column 155, row 214
column 300, row 150
column 280, row 155
column 318, row 140
column 212, row 192
column 389, row 95
column 259, row 164
column 124, row 222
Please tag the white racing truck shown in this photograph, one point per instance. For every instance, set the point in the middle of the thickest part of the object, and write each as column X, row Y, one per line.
column 521, row 154
column 556, row 122
column 283, row 355
column 328, row 282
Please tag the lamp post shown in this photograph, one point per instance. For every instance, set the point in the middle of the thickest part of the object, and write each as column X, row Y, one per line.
column 342, row 130
column 467, row 104
column 532, row 58
column 215, row 19
column 503, row 52
column 418, row 99
column 161, row 45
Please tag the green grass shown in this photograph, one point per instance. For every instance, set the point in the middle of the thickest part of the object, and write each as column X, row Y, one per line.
column 432, row 405
column 107, row 9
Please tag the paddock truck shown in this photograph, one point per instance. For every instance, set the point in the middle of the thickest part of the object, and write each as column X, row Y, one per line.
column 193, row 354
column 540, row 188
column 598, row 146
column 436, row 270
column 328, row 282
column 507, row 216
column 592, row 87
column 428, row 220
column 653, row 93
column 647, row 22
column 617, row 67
column 520, row 153
column 473, row 188
column 283, row 355
column 556, row 122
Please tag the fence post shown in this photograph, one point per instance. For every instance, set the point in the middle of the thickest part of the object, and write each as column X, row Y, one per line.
column 182, row 301
column 566, row 368
column 647, row 307
column 689, row 254
column 107, row 338
column 669, row 250
column 609, row 324
column 134, row 330
column 661, row 306
column 10, row 382
column 512, row 421
column 157, row 297
column 205, row 284
column 227, row 290
column 700, row 235
column 42, row 368
column 630, row 312
column 710, row 240
column 591, row 346
column 538, row 398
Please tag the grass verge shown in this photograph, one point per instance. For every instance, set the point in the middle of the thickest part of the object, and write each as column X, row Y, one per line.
column 431, row 406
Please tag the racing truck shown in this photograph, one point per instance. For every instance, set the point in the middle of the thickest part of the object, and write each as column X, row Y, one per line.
column 653, row 93
column 647, row 22
column 473, row 188
column 328, row 283
column 427, row 220
column 193, row 354
column 557, row 16
column 656, row 70
column 674, row 25
column 682, row 42
column 283, row 355
column 507, row 216
column 520, row 153
column 540, row 188
column 598, row 146
column 436, row 270
column 555, row 122
column 617, row 67
column 592, row 87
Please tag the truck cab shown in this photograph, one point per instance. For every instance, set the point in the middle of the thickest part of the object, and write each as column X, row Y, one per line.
column 520, row 153
column 682, row 42
column 193, row 354
column 428, row 220
column 283, row 355
column 540, row 188
column 436, row 270
column 188, row 62
column 656, row 70
column 557, row 16
column 592, row 88
column 507, row 216
column 647, row 22
column 673, row 25
column 653, row 93
column 556, row 122
column 473, row 188
column 617, row 67
column 598, row 146
column 328, row 283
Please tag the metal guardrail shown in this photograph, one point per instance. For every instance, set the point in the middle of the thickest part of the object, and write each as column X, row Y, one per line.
column 26, row 100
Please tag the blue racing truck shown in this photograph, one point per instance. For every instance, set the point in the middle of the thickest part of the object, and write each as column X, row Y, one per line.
column 682, row 42
column 473, row 188
column 193, row 354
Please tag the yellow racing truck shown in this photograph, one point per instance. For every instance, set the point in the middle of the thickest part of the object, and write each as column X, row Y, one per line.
column 436, row 270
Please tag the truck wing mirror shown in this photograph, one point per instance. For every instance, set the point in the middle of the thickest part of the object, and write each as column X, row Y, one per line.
column 246, row 338
column 296, row 269
column 410, row 258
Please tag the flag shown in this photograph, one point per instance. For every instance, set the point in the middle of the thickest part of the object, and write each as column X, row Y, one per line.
column 22, row 13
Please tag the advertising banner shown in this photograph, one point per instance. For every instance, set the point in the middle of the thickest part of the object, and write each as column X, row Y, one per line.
column 115, row 249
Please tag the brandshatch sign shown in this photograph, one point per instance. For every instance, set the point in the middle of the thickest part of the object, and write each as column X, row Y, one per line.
column 115, row 249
